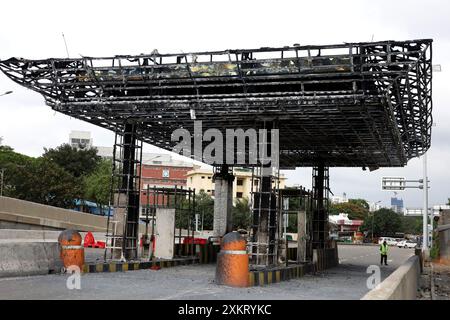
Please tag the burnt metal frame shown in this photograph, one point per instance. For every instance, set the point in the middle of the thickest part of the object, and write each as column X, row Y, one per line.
column 352, row 104
column 125, row 194
column 303, row 197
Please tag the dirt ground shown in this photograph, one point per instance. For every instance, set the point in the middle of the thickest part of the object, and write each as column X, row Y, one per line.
column 435, row 282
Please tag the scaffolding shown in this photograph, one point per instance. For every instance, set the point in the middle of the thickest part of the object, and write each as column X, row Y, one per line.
column 320, row 206
column 125, row 195
column 292, row 201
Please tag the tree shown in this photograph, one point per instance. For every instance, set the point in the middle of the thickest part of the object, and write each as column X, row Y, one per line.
column 77, row 162
column 241, row 213
column 355, row 211
column 37, row 179
column 10, row 163
column 385, row 222
column 96, row 185
column 411, row 225
column 204, row 205
column 45, row 182
column 360, row 202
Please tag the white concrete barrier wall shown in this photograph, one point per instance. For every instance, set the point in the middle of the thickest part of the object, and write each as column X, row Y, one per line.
column 23, row 213
column 26, row 212
column 402, row 284
column 29, row 258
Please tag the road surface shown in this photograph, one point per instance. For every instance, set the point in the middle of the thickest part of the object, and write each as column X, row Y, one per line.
column 347, row 281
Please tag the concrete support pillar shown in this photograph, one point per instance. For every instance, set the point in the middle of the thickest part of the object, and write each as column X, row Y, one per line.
column 165, row 233
column 301, row 236
column 223, row 202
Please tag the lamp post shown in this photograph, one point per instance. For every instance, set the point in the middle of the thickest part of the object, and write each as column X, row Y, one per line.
column 373, row 216
column 5, row 93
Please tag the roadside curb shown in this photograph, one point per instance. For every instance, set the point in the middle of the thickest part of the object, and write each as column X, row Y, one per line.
column 133, row 266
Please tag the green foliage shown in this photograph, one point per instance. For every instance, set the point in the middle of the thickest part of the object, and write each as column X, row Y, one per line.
column 435, row 249
column 411, row 225
column 55, row 179
column 360, row 202
column 385, row 222
column 355, row 210
column 12, row 164
column 204, row 205
column 78, row 162
column 97, row 184
column 43, row 181
column 241, row 214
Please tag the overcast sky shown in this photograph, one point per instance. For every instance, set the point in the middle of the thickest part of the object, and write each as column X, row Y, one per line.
column 33, row 29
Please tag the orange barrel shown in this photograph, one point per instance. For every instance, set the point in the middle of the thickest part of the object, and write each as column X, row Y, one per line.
column 232, row 261
column 72, row 252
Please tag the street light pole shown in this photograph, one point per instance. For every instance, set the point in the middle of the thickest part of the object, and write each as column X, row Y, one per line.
column 373, row 216
column 425, row 204
column 7, row 92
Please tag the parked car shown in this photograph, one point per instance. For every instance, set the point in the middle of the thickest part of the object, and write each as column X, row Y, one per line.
column 389, row 241
column 407, row 244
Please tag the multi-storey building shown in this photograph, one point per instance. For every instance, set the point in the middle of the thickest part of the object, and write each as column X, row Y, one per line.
column 202, row 180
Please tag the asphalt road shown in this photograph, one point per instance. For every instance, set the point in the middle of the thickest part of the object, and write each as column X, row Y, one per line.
column 347, row 281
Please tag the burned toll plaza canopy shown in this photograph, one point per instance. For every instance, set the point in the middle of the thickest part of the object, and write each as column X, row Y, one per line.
column 345, row 105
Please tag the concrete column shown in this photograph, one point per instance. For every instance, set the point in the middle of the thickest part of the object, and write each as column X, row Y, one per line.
column 301, row 236
column 165, row 233
column 120, row 201
column 223, row 202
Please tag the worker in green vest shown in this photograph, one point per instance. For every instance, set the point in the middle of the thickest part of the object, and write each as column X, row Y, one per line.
column 384, row 251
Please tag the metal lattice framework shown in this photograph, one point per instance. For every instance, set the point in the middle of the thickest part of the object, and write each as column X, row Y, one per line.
column 353, row 104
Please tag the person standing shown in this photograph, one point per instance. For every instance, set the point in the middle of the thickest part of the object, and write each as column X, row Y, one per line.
column 384, row 248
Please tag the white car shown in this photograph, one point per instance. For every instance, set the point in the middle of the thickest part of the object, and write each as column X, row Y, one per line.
column 407, row 244
column 389, row 241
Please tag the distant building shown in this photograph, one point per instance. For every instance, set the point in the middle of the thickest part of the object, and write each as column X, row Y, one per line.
column 158, row 169
column 344, row 225
column 397, row 204
column 374, row 206
column 163, row 174
column 80, row 139
column 202, row 179
column 338, row 199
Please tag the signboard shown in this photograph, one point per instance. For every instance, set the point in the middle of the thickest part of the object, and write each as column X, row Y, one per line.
column 393, row 183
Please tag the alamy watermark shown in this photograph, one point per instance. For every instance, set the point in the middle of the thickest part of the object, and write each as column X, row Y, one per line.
column 74, row 279
column 375, row 276
column 239, row 147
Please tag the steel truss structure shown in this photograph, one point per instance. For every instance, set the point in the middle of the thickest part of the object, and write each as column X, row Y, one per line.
column 352, row 104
